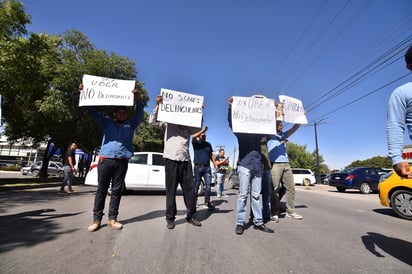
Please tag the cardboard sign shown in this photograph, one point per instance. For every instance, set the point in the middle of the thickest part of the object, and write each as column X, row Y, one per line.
column 180, row 108
column 253, row 115
column 102, row 91
column 293, row 110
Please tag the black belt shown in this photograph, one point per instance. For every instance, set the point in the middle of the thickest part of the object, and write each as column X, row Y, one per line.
column 202, row 165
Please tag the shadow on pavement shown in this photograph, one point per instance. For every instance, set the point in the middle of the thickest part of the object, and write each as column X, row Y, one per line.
column 397, row 248
column 30, row 228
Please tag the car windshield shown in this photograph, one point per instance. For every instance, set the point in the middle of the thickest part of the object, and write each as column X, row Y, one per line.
column 348, row 170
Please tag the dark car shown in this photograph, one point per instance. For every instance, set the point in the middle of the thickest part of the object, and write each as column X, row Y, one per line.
column 54, row 169
column 233, row 179
column 366, row 179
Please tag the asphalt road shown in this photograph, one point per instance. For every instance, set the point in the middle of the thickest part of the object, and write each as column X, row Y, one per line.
column 42, row 232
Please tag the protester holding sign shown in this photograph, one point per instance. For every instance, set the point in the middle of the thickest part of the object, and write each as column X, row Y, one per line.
column 178, row 166
column 203, row 154
column 250, row 176
column 282, row 172
column 116, row 149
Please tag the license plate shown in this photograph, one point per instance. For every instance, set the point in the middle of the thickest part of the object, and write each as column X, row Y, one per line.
column 337, row 178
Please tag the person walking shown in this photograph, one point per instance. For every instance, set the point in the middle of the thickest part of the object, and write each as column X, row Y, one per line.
column 250, row 177
column 282, row 172
column 115, row 151
column 399, row 119
column 203, row 154
column 178, row 167
column 221, row 164
column 69, row 168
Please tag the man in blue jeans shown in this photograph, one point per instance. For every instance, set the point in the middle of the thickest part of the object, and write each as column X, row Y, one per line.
column 203, row 154
column 69, row 168
column 116, row 149
column 250, row 176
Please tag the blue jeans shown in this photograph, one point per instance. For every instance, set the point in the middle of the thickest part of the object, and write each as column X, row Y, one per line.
column 249, row 179
column 220, row 181
column 68, row 177
column 109, row 171
column 206, row 173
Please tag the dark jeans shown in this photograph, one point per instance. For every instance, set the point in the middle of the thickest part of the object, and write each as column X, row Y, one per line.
column 109, row 171
column 206, row 173
column 178, row 172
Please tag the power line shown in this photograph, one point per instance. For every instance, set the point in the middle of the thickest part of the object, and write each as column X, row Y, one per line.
column 361, row 97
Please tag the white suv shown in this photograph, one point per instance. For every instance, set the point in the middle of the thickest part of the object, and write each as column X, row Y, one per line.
column 303, row 176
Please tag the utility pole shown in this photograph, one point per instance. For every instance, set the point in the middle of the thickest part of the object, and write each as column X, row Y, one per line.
column 315, row 124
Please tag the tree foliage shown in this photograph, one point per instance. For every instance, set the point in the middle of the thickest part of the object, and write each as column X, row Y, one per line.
column 299, row 157
column 39, row 78
column 376, row 161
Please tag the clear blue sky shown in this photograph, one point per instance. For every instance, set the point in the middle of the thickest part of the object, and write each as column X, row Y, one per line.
column 338, row 57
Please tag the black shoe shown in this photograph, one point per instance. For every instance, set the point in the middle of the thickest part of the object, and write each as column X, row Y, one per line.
column 170, row 224
column 194, row 221
column 239, row 229
column 263, row 228
column 209, row 206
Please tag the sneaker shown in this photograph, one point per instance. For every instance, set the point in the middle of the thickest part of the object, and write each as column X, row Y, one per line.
column 263, row 228
column 94, row 226
column 194, row 221
column 218, row 195
column 71, row 189
column 239, row 229
column 115, row 224
column 170, row 224
column 274, row 218
column 209, row 206
column 294, row 216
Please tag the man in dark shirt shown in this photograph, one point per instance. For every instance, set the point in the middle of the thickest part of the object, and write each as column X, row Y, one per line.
column 69, row 166
column 203, row 154
column 250, row 176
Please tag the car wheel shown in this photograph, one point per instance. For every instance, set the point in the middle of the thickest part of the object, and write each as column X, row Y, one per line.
column 340, row 189
column 365, row 188
column 61, row 173
column 231, row 185
column 35, row 172
column 401, row 202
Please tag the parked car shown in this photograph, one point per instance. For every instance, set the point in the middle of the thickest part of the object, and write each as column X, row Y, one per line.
column 303, row 176
column 396, row 192
column 233, row 179
column 145, row 171
column 54, row 169
column 366, row 179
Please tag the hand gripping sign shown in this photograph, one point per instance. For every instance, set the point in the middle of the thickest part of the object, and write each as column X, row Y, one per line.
column 102, row 91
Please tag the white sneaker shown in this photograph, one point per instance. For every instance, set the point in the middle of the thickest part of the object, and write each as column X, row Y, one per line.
column 274, row 218
column 218, row 195
column 294, row 216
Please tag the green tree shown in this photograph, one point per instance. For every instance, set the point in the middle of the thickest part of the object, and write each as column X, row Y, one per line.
column 376, row 161
column 299, row 157
column 40, row 75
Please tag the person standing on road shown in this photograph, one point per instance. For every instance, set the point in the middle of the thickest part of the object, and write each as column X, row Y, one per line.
column 69, row 168
column 282, row 172
column 250, row 176
column 116, row 149
column 178, row 166
column 221, row 164
column 203, row 154
column 399, row 118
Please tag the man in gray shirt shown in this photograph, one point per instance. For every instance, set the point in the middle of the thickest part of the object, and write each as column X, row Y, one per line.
column 178, row 166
